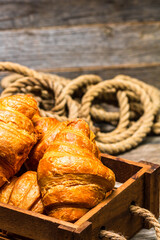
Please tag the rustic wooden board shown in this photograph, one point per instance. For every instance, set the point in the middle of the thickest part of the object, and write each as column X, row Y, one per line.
column 33, row 13
column 12, row 219
column 148, row 73
column 79, row 46
column 148, row 150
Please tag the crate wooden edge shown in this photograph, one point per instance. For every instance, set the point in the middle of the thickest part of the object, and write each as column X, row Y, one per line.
column 83, row 228
column 147, row 174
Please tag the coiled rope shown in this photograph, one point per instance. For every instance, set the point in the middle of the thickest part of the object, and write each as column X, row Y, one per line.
column 136, row 210
column 86, row 96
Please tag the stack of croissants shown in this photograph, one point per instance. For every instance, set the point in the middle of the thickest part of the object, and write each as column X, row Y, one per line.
column 64, row 175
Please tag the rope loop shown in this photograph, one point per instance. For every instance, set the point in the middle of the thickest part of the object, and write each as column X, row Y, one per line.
column 121, row 111
column 136, row 210
column 148, row 216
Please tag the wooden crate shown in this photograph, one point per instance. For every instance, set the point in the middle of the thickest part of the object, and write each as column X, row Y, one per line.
column 138, row 184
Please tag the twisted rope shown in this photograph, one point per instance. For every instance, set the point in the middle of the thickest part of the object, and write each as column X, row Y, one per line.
column 24, row 71
column 85, row 96
column 42, row 90
column 136, row 210
column 129, row 138
column 152, row 91
column 148, row 216
column 71, row 87
column 111, row 235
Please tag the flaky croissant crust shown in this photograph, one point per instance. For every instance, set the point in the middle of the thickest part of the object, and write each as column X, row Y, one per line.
column 23, row 192
column 71, row 178
column 17, row 133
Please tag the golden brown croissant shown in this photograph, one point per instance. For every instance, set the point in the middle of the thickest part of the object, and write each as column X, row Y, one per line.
column 48, row 128
column 23, row 192
column 17, row 133
column 71, row 179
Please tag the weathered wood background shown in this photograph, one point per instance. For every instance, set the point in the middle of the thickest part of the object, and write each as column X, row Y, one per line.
column 71, row 37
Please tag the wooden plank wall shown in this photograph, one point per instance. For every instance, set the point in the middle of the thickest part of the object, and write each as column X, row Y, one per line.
column 106, row 37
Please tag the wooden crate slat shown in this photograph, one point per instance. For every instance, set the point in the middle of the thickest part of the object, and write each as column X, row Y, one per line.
column 152, row 188
column 29, row 224
column 123, row 169
column 83, row 232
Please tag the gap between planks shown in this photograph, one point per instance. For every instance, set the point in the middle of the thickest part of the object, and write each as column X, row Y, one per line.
column 88, row 25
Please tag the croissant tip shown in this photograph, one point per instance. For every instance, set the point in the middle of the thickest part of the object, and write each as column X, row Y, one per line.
column 3, row 180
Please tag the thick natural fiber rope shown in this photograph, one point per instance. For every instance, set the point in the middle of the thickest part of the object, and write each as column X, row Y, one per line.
column 138, row 102
column 148, row 216
column 128, row 138
column 29, row 84
column 111, row 235
column 136, row 210
column 24, row 71
column 153, row 93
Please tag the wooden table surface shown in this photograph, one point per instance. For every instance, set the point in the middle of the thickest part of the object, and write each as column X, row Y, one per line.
column 148, row 150
column 70, row 38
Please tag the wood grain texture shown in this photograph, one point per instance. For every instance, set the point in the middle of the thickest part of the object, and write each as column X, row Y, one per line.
column 29, row 13
column 31, row 225
column 152, row 187
column 123, row 169
column 148, row 150
column 79, row 46
column 148, row 73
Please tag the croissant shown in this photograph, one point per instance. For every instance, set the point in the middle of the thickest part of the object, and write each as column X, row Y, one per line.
column 48, row 128
column 17, row 133
column 23, row 192
column 72, row 179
